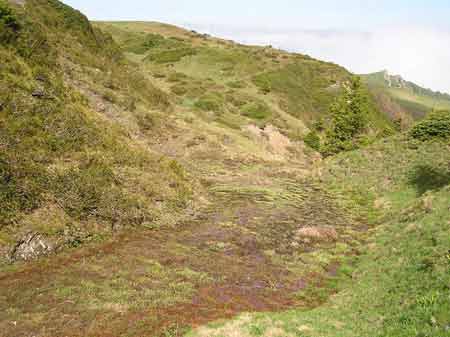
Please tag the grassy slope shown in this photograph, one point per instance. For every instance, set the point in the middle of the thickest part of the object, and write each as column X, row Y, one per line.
column 400, row 286
column 62, row 174
column 411, row 101
column 288, row 90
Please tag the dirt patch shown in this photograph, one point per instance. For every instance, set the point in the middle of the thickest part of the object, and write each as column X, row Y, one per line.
column 321, row 234
column 272, row 138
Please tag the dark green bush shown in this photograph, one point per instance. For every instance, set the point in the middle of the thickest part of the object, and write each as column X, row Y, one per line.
column 435, row 126
column 312, row 139
column 9, row 25
column 257, row 110
column 425, row 177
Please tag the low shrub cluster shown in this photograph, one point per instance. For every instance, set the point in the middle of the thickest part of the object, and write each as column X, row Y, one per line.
column 210, row 102
column 312, row 139
column 170, row 56
column 9, row 25
column 256, row 110
column 435, row 126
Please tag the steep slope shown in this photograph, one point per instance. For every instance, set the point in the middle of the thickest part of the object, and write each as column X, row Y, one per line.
column 71, row 169
column 404, row 100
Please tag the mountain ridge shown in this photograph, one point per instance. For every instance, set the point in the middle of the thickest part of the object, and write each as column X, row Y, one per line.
column 404, row 99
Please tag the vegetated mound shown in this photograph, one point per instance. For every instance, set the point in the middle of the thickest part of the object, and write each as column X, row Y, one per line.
column 68, row 166
column 404, row 101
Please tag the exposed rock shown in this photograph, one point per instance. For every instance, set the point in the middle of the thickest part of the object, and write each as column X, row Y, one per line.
column 276, row 142
column 38, row 93
column 40, row 78
column 31, row 246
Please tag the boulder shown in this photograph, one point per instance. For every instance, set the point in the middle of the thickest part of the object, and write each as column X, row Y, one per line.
column 31, row 246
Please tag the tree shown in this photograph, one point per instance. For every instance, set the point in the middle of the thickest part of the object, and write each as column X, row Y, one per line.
column 349, row 118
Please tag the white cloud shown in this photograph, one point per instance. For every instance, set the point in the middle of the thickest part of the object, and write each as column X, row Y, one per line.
column 421, row 55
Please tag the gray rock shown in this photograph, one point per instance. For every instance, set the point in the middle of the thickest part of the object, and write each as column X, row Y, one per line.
column 38, row 93
column 31, row 246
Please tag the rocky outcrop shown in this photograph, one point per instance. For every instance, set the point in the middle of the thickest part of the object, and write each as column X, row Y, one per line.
column 31, row 246
column 394, row 81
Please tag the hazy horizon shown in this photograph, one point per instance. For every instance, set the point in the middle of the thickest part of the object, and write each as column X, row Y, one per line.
column 409, row 38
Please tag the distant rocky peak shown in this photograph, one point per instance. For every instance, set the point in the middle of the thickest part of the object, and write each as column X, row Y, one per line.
column 394, row 81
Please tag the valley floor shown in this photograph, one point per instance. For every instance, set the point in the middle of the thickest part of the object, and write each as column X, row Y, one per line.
column 266, row 243
column 247, row 251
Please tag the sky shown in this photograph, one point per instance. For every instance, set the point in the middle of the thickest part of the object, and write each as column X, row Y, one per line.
column 406, row 37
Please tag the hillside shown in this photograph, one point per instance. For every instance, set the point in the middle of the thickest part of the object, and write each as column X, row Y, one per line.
column 290, row 91
column 71, row 169
column 403, row 99
column 154, row 179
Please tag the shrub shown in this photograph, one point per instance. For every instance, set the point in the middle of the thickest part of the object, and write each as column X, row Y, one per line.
column 257, row 110
column 435, row 126
column 21, row 185
column 263, row 83
column 312, row 139
column 170, row 56
column 9, row 25
column 210, row 103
